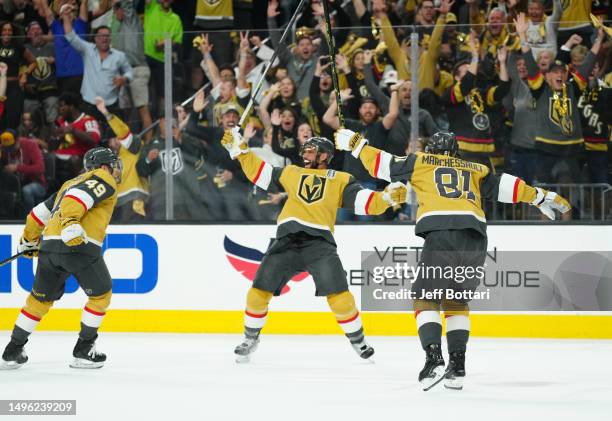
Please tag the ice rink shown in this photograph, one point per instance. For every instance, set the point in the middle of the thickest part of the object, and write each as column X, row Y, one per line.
column 194, row 377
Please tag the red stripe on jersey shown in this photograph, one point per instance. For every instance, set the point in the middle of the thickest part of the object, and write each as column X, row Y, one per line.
column 30, row 316
column 349, row 320
column 34, row 217
column 595, row 139
column 257, row 316
column 416, row 313
column 367, row 206
column 535, row 77
column 515, row 189
column 78, row 200
column 377, row 165
column 95, row 313
column 261, row 167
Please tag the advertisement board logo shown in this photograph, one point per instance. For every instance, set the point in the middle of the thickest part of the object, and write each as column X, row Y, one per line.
column 246, row 261
column 143, row 284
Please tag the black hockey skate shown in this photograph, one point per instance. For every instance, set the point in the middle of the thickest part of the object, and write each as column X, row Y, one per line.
column 14, row 356
column 363, row 349
column 433, row 371
column 245, row 349
column 86, row 356
column 455, row 372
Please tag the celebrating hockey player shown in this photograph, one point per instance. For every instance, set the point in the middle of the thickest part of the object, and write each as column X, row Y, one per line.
column 73, row 224
column 451, row 220
column 304, row 237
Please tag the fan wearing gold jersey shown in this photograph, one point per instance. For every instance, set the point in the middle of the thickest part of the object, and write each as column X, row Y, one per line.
column 66, row 232
column 451, row 220
column 133, row 190
column 304, row 237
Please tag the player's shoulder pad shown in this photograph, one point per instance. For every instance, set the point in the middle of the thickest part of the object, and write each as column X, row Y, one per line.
column 103, row 175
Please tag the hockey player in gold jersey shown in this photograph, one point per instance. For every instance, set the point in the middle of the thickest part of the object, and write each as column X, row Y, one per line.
column 451, row 220
column 304, row 236
column 66, row 231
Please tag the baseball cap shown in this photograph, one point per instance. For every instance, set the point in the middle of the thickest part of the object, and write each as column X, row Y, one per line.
column 369, row 99
column 558, row 64
column 230, row 107
column 451, row 17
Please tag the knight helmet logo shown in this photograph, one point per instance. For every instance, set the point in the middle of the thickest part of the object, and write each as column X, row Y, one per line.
column 312, row 188
column 246, row 261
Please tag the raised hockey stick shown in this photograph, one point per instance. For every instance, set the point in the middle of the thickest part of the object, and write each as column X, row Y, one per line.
column 247, row 109
column 331, row 44
column 10, row 259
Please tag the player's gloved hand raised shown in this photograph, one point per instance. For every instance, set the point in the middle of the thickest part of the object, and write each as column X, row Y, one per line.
column 548, row 202
column 234, row 143
column 73, row 233
column 348, row 140
column 395, row 193
column 28, row 248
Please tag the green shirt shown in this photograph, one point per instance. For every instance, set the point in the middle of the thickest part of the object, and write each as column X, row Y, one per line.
column 156, row 24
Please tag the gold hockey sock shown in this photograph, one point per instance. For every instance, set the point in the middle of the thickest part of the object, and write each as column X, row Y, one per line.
column 256, row 312
column 93, row 314
column 28, row 319
column 345, row 310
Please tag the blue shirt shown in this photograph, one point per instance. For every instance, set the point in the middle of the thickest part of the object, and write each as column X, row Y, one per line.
column 68, row 61
column 98, row 74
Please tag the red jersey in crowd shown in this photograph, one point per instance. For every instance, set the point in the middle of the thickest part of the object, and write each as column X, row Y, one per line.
column 70, row 145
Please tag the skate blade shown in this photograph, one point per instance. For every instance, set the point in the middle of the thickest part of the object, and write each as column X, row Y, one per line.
column 430, row 382
column 455, row 383
column 86, row 364
column 243, row 359
column 10, row 365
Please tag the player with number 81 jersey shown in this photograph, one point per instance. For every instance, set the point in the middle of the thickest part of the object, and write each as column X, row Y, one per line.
column 451, row 220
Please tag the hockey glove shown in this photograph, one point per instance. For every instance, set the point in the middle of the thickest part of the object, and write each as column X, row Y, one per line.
column 548, row 202
column 348, row 140
column 395, row 193
column 233, row 142
column 28, row 248
column 73, row 233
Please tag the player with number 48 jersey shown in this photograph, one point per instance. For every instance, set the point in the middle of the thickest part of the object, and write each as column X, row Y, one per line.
column 451, row 220
column 66, row 232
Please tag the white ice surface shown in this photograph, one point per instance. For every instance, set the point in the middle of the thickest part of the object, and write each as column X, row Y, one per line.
column 318, row 378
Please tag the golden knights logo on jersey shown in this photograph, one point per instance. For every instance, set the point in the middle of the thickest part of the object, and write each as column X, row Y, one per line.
column 312, row 188
column 42, row 70
column 560, row 115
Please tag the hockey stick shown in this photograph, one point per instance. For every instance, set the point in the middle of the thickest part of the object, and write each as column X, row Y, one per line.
column 331, row 44
column 187, row 101
column 10, row 259
column 247, row 109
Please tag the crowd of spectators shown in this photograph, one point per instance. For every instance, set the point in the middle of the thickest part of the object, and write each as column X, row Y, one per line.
column 524, row 84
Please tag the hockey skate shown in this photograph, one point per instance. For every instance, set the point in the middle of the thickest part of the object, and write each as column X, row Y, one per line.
column 433, row 371
column 363, row 349
column 86, row 356
column 455, row 372
column 14, row 356
column 245, row 349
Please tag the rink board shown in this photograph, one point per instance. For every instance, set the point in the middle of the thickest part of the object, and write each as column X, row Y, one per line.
column 194, row 278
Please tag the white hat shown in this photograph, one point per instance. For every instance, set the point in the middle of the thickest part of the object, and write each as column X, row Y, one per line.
column 389, row 77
